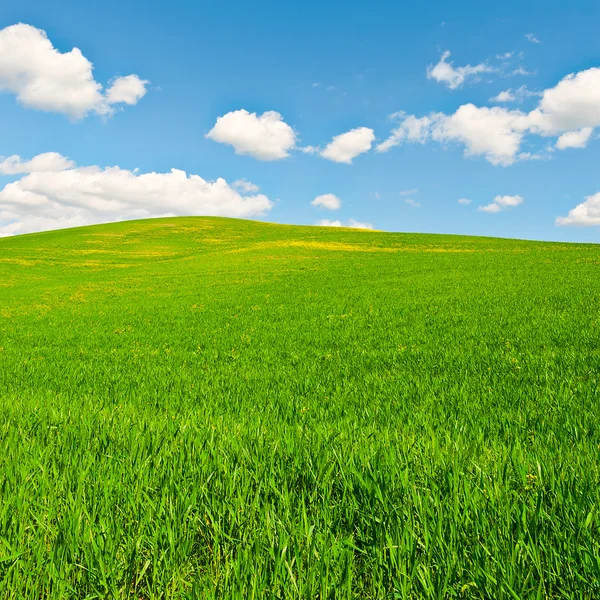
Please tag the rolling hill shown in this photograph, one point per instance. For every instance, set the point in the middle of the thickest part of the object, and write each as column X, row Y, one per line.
column 217, row 408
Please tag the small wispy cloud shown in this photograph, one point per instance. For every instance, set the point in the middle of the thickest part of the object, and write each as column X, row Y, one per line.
column 532, row 38
column 412, row 203
column 464, row 201
column 445, row 72
column 350, row 223
column 521, row 71
column 408, row 192
column 245, row 186
column 328, row 201
column 501, row 203
column 518, row 95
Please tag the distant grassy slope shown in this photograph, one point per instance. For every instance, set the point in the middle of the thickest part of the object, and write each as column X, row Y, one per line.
column 203, row 407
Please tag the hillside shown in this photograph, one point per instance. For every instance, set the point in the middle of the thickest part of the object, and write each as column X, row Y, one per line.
column 207, row 407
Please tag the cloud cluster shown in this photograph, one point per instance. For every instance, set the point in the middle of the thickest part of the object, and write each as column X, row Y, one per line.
column 68, row 197
column 352, row 223
column 328, row 201
column 570, row 110
column 501, row 203
column 268, row 137
column 45, row 79
column 454, row 77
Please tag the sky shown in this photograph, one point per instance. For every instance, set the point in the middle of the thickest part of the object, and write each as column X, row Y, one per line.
column 463, row 118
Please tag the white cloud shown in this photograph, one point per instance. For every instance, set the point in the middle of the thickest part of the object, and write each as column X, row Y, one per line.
column 502, row 202
column 126, row 90
column 586, row 214
column 87, row 195
column 45, row 79
column 309, row 149
column 345, row 147
column 531, row 37
column 245, row 186
column 408, row 192
column 329, row 223
column 519, row 95
column 521, row 71
column 496, row 133
column 505, row 56
column 445, row 72
column 337, row 223
column 464, row 201
column 574, row 139
column 328, row 201
column 265, row 137
column 490, row 208
column 359, row 224
column 572, row 104
column 411, row 129
column 48, row 161
column 412, row 203
column 505, row 96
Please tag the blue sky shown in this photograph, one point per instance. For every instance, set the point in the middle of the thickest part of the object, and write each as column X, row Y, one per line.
column 326, row 70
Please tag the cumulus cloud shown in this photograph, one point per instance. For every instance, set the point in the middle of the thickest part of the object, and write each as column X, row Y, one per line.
column 85, row 195
column 337, row 223
column 496, row 133
column 454, row 77
column 245, row 186
column 501, row 203
column 574, row 139
column 328, row 201
column 572, row 104
column 464, row 201
column 345, row 147
column 265, row 137
column 586, row 214
column 531, row 38
column 46, row 162
column 45, row 79
column 126, row 90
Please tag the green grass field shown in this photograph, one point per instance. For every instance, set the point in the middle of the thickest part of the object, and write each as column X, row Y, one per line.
column 214, row 408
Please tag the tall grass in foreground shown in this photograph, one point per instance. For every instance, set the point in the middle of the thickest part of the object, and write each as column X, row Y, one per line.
column 208, row 408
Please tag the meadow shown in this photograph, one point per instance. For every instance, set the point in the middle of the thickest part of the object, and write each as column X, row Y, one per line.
column 217, row 408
